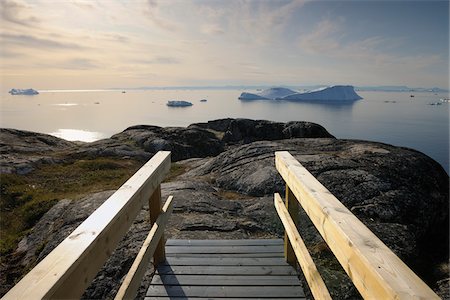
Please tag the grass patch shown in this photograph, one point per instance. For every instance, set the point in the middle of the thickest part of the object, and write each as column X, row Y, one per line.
column 176, row 169
column 25, row 198
column 231, row 195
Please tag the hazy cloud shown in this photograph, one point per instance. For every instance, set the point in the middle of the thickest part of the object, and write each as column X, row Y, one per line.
column 212, row 29
column 16, row 12
column 32, row 41
column 79, row 64
column 153, row 12
column 248, row 21
column 322, row 39
column 83, row 4
column 160, row 60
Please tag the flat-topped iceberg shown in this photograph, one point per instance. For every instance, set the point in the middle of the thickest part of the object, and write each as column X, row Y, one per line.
column 178, row 103
column 332, row 93
column 23, row 92
column 269, row 94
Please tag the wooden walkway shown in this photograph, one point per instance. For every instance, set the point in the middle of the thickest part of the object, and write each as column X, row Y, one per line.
column 225, row 269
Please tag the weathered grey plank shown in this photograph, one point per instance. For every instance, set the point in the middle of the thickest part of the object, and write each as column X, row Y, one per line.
column 222, row 291
column 218, row 255
column 224, row 249
column 221, row 298
column 227, row 270
column 225, row 261
column 225, row 280
column 252, row 242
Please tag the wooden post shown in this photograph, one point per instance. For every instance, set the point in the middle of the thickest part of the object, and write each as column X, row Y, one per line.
column 155, row 210
column 292, row 208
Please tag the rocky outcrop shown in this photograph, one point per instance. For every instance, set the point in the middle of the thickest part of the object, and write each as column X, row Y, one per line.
column 227, row 192
column 401, row 193
column 247, row 131
column 21, row 151
column 198, row 140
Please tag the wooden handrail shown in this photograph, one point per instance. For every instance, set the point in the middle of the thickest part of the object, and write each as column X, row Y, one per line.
column 312, row 275
column 132, row 281
column 374, row 269
column 69, row 269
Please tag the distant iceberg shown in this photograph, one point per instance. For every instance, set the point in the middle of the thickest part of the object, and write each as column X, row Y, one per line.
column 269, row 94
column 23, row 92
column 332, row 93
column 178, row 103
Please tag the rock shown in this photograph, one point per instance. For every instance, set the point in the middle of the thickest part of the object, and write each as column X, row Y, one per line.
column 227, row 192
column 22, row 151
column 144, row 141
column 246, row 130
column 443, row 288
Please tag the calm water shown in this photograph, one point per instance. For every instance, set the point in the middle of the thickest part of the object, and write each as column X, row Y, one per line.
column 91, row 115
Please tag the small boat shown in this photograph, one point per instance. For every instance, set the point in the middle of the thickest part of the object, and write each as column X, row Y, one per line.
column 178, row 103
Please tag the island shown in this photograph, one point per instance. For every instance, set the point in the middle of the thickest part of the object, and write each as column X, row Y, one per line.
column 23, row 92
column 331, row 93
column 178, row 103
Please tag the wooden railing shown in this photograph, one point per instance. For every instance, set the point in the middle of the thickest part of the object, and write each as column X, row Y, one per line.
column 374, row 269
column 68, row 270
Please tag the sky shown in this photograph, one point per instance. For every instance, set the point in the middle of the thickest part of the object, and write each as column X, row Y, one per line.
column 74, row 44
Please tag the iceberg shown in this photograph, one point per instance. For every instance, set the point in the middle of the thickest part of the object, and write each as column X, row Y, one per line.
column 178, row 103
column 23, row 92
column 269, row 94
column 332, row 93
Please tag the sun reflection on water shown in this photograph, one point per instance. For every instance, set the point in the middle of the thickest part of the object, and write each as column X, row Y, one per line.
column 78, row 135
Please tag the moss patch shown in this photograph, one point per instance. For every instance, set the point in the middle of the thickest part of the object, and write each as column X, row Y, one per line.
column 25, row 198
column 176, row 169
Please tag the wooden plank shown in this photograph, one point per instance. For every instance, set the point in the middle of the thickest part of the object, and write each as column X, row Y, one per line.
column 271, row 254
column 132, row 281
column 220, row 298
column 224, row 280
column 292, row 208
column 312, row 275
column 223, row 291
column 71, row 266
column 225, row 261
column 226, row 270
column 250, row 242
column 374, row 269
column 224, row 249
column 154, row 204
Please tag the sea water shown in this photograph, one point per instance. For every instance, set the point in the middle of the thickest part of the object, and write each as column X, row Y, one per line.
column 390, row 117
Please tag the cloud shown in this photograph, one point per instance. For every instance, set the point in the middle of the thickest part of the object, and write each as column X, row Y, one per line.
column 31, row 41
column 159, row 60
column 212, row 29
column 322, row 39
column 154, row 14
column 87, row 5
column 257, row 22
column 17, row 12
column 79, row 64
column 367, row 57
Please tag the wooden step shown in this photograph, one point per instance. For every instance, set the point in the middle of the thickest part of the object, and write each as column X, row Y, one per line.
column 225, row 269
